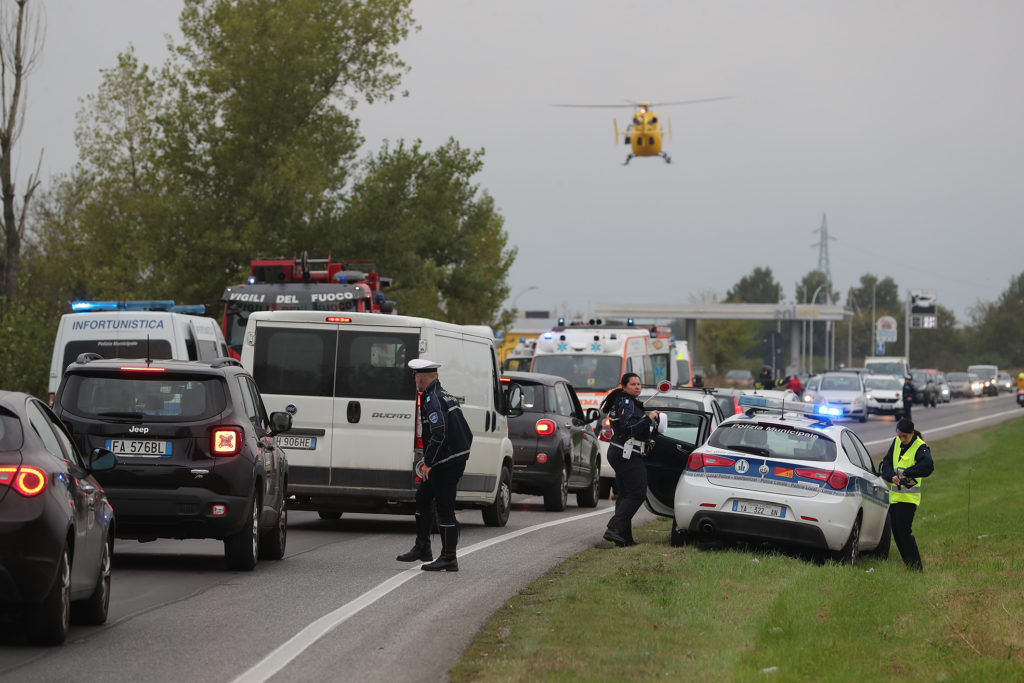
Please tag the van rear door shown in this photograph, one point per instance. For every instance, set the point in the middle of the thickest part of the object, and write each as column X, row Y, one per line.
column 374, row 409
column 293, row 365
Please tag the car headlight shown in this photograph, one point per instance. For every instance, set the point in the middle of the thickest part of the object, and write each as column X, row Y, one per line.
column 868, row 396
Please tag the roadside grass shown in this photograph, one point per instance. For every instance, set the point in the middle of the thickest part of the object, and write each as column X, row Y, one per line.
column 718, row 611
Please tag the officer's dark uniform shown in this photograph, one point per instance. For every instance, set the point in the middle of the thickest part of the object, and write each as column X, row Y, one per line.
column 628, row 421
column 904, row 499
column 446, row 442
column 908, row 398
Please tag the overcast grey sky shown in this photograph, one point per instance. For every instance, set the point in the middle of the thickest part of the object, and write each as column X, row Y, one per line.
column 899, row 119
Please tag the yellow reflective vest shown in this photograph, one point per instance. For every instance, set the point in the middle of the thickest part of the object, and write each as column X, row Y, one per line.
column 900, row 462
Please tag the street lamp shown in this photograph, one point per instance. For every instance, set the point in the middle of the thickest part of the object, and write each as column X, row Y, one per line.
column 516, row 299
column 810, row 336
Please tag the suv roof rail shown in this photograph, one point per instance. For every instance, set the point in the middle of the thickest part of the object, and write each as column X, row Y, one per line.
column 87, row 357
column 223, row 362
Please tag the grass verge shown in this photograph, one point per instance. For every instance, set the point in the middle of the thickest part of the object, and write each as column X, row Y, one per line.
column 727, row 612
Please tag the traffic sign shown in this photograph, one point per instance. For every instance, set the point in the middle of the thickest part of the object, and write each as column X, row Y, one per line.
column 886, row 329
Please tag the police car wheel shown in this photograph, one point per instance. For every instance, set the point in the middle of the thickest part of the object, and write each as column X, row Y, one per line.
column 849, row 552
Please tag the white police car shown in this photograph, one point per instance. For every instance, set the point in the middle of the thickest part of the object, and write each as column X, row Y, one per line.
column 779, row 473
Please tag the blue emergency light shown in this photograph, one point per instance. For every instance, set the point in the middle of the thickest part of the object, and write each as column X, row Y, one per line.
column 251, row 280
column 830, row 411
column 139, row 306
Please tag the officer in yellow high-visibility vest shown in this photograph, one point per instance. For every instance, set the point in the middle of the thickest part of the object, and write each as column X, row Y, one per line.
column 907, row 461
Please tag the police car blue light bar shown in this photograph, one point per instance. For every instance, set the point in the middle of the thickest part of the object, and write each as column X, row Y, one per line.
column 191, row 309
column 829, row 411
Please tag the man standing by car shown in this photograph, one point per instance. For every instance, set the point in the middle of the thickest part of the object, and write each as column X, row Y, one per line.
column 447, row 439
column 908, row 396
column 907, row 461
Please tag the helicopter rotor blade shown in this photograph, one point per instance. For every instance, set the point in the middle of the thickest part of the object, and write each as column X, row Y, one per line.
column 592, row 106
column 707, row 99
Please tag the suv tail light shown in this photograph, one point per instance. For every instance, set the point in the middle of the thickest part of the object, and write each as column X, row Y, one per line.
column 835, row 479
column 545, row 427
column 606, row 429
column 698, row 460
column 26, row 480
column 226, row 441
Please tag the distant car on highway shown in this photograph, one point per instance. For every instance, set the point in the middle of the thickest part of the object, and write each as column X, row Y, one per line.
column 56, row 525
column 843, row 392
column 740, row 378
column 554, row 447
column 926, row 387
column 792, row 478
column 884, row 394
column 1004, row 381
column 987, row 374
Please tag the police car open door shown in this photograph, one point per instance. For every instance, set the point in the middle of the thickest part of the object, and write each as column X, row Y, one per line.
column 668, row 453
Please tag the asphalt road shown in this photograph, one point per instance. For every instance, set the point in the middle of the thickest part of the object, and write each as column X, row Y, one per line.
column 339, row 607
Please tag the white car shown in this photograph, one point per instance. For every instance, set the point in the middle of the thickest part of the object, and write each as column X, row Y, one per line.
column 790, row 478
column 699, row 399
column 842, row 393
column 884, row 394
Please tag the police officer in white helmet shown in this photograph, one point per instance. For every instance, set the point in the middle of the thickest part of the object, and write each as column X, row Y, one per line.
column 446, row 443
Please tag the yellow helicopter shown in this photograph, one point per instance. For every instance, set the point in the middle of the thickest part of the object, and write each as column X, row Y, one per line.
column 645, row 133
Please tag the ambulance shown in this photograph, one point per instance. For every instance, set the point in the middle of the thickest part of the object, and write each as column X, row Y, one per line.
column 594, row 357
column 134, row 329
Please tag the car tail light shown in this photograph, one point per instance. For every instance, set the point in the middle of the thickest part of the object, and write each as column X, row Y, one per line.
column 226, row 441
column 542, row 458
column 26, row 480
column 736, row 409
column 417, row 441
column 140, row 368
column 606, row 430
column 338, row 319
column 836, row 480
column 698, row 460
column 545, row 427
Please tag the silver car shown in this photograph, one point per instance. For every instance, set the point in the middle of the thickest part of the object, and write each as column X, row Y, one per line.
column 884, row 394
column 843, row 394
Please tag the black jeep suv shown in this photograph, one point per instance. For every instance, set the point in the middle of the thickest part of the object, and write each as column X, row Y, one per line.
column 196, row 454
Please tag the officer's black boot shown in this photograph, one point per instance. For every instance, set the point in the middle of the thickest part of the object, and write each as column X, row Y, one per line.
column 447, row 561
column 421, row 551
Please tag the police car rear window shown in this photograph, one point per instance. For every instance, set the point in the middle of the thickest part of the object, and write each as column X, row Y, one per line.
column 774, row 441
column 157, row 349
column 671, row 402
column 163, row 398
column 10, row 431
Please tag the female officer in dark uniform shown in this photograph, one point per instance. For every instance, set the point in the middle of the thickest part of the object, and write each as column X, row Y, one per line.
column 631, row 427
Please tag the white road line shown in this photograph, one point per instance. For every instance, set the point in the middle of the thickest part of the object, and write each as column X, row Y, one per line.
column 301, row 641
column 955, row 424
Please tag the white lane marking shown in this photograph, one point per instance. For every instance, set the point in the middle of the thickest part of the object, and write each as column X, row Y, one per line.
column 955, row 424
column 301, row 641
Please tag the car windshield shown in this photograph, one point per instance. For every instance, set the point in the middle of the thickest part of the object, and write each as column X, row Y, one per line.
column 885, row 383
column 922, row 377
column 774, row 441
column 586, row 372
column 958, row 377
column 847, row 382
column 983, row 371
column 10, row 431
column 163, row 398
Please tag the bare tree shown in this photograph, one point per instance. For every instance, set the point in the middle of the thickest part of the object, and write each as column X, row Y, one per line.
column 20, row 42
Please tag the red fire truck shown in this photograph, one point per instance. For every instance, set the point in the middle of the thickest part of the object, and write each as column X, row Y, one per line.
column 303, row 284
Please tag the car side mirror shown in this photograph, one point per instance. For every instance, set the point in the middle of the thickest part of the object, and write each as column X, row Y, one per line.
column 280, row 422
column 593, row 415
column 101, row 460
column 513, row 400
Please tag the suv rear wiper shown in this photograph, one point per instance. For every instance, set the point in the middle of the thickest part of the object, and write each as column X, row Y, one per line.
column 122, row 414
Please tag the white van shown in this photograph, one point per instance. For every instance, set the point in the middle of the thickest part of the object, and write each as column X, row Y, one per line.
column 111, row 331
column 354, row 444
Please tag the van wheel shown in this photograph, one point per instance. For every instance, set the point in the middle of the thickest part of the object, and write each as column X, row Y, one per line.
column 588, row 497
column 241, row 549
column 496, row 514
column 557, row 495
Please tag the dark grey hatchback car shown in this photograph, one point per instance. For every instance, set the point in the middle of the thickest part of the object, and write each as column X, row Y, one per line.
column 555, row 449
column 196, row 453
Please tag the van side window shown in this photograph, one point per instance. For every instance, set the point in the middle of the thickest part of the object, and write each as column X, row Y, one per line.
column 659, row 367
column 373, row 365
column 298, row 362
column 190, row 346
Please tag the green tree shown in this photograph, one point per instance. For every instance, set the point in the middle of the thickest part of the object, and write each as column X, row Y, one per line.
column 759, row 287
column 436, row 232
column 998, row 334
column 883, row 293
